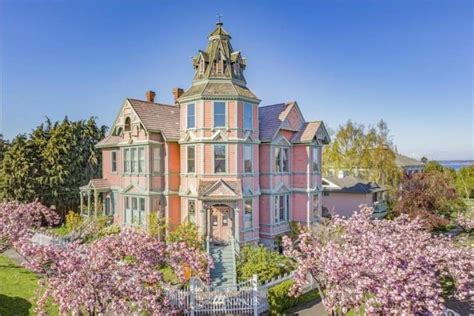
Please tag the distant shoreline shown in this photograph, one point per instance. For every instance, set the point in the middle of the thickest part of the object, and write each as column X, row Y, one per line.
column 455, row 164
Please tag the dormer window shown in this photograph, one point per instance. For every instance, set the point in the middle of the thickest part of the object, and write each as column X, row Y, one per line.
column 236, row 68
column 128, row 124
column 202, row 67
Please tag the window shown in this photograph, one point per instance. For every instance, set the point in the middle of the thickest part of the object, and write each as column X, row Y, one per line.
column 248, row 158
column 315, row 159
column 126, row 160
column 277, row 159
column 236, row 68
column 142, row 215
column 219, row 114
column 219, row 158
column 156, row 159
column 192, row 211
column 315, row 204
column 281, row 208
column 128, row 124
column 107, row 206
column 282, row 159
column 114, row 161
column 248, row 116
column 141, row 160
column 134, row 210
column 133, row 159
column 191, row 159
column 202, row 66
column 191, row 123
column 128, row 212
column 248, row 214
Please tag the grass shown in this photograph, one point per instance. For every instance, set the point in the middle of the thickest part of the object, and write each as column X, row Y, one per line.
column 59, row 231
column 18, row 290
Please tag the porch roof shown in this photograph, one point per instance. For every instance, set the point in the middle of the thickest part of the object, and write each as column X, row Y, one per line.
column 97, row 184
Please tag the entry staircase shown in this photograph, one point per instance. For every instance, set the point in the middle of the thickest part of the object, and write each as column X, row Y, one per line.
column 224, row 272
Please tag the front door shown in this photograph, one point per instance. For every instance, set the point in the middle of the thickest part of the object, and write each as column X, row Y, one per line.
column 221, row 222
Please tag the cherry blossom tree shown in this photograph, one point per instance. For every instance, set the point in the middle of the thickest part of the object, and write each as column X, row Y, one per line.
column 119, row 274
column 17, row 220
column 386, row 267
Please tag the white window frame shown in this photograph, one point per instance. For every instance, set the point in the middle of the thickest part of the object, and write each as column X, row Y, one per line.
column 278, row 164
column 126, row 160
column 187, row 159
column 214, row 114
column 250, row 148
column 277, row 210
column 214, row 158
column 133, row 160
column 315, row 161
column 141, row 160
column 193, row 116
column 245, row 118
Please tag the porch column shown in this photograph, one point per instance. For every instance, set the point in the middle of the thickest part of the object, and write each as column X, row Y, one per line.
column 82, row 201
column 237, row 224
column 208, row 222
column 203, row 226
column 308, row 211
column 96, row 197
column 89, row 203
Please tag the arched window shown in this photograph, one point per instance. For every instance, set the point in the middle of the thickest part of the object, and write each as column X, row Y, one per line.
column 128, row 124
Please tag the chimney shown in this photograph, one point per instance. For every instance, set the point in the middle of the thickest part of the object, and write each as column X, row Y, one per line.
column 150, row 96
column 177, row 93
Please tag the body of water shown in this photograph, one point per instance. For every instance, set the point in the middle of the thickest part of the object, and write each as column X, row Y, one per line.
column 456, row 164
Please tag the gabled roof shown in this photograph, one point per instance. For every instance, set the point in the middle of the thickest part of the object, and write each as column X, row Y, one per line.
column 351, row 184
column 158, row 117
column 403, row 161
column 309, row 131
column 97, row 184
column 220, row 189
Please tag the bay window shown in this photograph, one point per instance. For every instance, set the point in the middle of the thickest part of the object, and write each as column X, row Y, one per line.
column 126, row 160
column 219, row 158
column 142, row 214
column 133, row 159
column 219, row 114
column 282, row 159
column 141, row 160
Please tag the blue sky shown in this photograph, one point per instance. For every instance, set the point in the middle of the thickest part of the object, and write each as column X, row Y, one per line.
column 407, row 62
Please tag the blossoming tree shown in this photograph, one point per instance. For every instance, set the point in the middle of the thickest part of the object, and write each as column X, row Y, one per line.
column 119, row 274
column 386, row 267
column 17, row 219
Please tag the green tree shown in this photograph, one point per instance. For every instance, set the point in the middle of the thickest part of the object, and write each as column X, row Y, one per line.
column 187, row 233
column 52, row 163
column 265, row 263
column 363, row 152
column 465, row 182
column 3, row 146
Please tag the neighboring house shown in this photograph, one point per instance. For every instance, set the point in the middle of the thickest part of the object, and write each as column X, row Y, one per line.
column 214, row 158
column 408, row 165
column 344, row 194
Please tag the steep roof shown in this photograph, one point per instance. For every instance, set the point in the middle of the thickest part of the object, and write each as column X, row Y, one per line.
column 270, row 120
column 307, row 133
column 158, row 117
column 403, row 161
column 351, row 184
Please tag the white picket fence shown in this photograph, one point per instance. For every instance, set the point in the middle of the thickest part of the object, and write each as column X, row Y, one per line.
column 247, row 297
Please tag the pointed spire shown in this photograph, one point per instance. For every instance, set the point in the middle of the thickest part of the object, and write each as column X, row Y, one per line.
column 219, row 31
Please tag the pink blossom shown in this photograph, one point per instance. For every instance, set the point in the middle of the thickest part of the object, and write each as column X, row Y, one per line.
column 388, row 267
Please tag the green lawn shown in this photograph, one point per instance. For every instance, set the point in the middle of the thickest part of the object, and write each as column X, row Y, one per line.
column 17, row 290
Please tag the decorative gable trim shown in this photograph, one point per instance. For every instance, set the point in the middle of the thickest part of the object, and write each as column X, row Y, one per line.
column 281, row 141
column 132, row 189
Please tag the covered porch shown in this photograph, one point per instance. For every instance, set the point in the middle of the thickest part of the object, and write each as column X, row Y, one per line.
column 93, row 200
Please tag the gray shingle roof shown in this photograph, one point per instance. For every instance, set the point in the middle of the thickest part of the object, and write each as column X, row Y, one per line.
column 403, row 161
column 270, row 120
column 158, row 117
column 307, row 132
column 351, row 184
column 215, row 89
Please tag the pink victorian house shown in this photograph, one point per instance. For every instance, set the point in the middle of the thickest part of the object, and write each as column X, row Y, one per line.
column 241, row 172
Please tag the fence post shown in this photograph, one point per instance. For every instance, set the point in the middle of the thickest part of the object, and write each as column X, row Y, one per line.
column 192, row 295
column 255, row 294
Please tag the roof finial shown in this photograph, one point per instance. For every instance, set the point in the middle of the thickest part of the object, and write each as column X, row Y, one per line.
column 219, row 21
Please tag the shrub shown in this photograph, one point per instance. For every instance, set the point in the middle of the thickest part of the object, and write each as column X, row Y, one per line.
column 73, row 221
column 262, row 262
column 187, row 233
column 156, row 226
column 280, row 301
